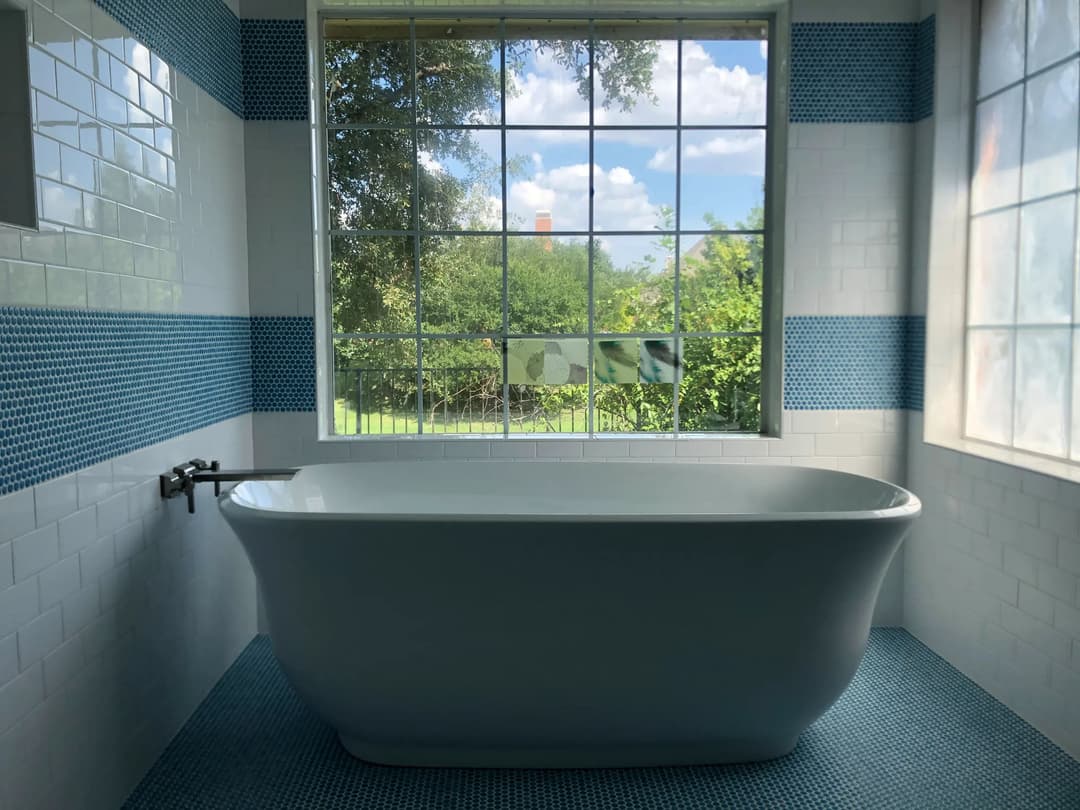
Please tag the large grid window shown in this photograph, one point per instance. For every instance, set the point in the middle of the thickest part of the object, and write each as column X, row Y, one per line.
column 544, row 226
column 1023, row 307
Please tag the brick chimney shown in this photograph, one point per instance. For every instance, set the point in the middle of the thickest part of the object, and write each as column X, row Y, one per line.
column 543, row 225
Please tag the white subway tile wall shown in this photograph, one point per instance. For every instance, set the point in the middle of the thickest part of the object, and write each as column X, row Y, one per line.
column 991, row 569
column 118, row 612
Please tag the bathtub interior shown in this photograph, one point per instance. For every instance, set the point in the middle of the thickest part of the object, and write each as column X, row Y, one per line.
column 576, row 490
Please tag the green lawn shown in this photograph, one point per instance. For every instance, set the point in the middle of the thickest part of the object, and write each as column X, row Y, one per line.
column 405, row 423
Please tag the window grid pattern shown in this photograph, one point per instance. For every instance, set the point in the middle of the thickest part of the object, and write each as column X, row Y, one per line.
column 1022, row 353
column 591, row 234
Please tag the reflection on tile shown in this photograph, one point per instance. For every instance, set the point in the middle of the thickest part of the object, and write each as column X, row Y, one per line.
column 78, row 169
column 128, row 152
column 96, row 138
column 46, row 158
column 101, row 215
column 659, row 361
column 118, row 256
column 92, row 60
column 54, row 35
column 42, row 71
column 156, row 166
column 111, row 107
column 144, row 194
column 140, row 125
column 114, row 183
column 138, row 55
column 566, row 362
column 525, row 362
column 132, row 224
column 61, row 204
column 616, row 361
column 153, row 100
column 108, row 33
column 75, row 89
column 125, row 81
column 57, row 120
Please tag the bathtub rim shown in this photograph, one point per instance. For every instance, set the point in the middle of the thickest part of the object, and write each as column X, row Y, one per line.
column 233, row 503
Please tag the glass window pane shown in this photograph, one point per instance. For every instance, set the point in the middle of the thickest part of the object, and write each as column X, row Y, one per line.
column 458, row 80
column 461, row 284
column 720, row 389
column 989, row 385
column 547, row 73
column 371, row 179
column 636, row 79
column 1050, row 131
column 460, row 179
column 724, row 81
column 723, row 180
column 992, row 274
column 373, row 282
column 463, row 386
column 1047, row 261
column 721, row 283
column 375, row 387
column 1053, row 31
column 549, row 390
column 630, row 192
column 1042, row 389
column 634, row 385
column 547, row 175
column 997, row 151
column 1001, row 49
column 547, row 285
column 368, row 82
column 634, row 283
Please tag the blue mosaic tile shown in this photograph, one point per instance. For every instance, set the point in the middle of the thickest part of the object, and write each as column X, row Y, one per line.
column 78, row 387
column 909, row 732
column 283, row 363
column 275, row 70
column 923, row 102
column 200, row 38
column 852, row 72
column 847, row 362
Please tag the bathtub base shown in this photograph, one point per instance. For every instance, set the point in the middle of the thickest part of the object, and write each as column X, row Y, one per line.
column 628, row 756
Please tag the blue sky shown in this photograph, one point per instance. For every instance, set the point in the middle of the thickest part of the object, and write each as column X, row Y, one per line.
column 634, row 172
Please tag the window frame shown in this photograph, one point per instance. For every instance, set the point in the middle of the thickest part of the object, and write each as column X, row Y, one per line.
column 777, row 18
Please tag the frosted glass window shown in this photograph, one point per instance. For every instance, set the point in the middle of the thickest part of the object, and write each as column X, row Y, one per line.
column 1042, row 386
column 997, row 151
column 1022, row 372
column 1047, row 262
column 1053, row 31
column 1001, row 50
column 992, row 283
column 1050, row 119
column 989, row 385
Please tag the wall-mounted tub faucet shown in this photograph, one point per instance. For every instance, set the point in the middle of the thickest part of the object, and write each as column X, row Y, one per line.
column 183, row 478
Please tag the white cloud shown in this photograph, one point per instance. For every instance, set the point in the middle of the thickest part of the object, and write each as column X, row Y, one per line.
column 764, row 49
column 713, row 94
column 621, row 200
column 727, row 153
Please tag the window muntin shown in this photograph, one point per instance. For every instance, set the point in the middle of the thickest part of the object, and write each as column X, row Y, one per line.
column 477, row 286
column 1023, row 305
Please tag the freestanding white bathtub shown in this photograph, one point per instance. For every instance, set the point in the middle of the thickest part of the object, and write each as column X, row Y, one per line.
column 569, row 614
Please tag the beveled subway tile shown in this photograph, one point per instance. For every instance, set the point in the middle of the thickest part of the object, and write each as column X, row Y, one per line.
column 75, row 89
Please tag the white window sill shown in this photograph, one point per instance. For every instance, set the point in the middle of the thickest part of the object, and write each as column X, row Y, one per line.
column 1058, row 468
